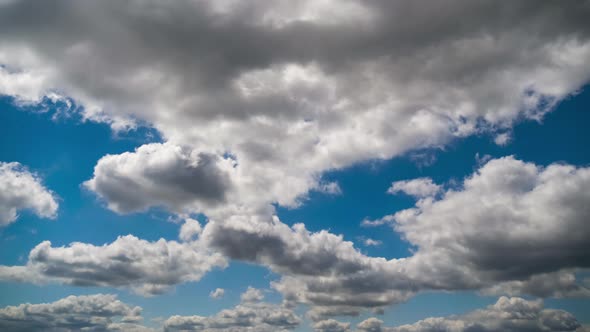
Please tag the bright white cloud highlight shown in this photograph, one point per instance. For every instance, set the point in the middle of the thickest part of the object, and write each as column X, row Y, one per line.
column 23, row 190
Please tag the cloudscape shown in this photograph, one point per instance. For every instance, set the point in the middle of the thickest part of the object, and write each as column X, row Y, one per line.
column 310, row 165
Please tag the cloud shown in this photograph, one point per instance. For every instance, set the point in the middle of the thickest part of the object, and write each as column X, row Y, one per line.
column 98, row 312
column 419, row 188
column 313, row 92
column 255, row 120
column 147, row 268
column 511, row 221
column 217, row 293
column 507, row 314
column 190, row 230
column 23, row 190
column 160, row 175
column 331, row 325
column 252, row 295
column 250, row 315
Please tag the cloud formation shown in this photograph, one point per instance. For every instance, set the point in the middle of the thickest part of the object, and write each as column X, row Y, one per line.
column 249, row 316
column 148, row 268
column 313, row 92
column 506, row 315
column 23, row 190
column 98, row 312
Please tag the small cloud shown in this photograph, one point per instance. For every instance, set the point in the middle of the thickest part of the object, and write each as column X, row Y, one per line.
column 503, row 139
column 217, row 293
column 331, row 188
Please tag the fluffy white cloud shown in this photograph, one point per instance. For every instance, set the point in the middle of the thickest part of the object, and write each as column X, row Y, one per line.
column 74, row 313
column 511, row 221
column 419, row 188
column 331, row 325
column 249, row 316
column 146, row 267
column 217, row 293
column 508, row 314
column 22, row 189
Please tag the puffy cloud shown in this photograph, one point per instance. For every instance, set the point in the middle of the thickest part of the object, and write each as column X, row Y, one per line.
column 190, row 229
column 461, row 240
column 313, row 92
column 74, row 313
column 331, row 325
column 160, row 175
column 146, row 267
column 256, row 119
column 22, row 189
column 511, row 221
column 252, row 295
column 249, row 316
column 419, row 188
column 508, row 314
column 217, row 293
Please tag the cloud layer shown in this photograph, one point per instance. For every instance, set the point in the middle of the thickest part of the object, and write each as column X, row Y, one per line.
column 508, row 314
column 73, row 313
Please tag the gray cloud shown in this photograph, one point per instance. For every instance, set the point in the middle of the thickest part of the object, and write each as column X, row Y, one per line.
column 147, row 268
column 508, row 314
column 73, row 313
column 159, row 175
column 331, row 325
column 21, row 190
column 251, row 315
column 290, row 91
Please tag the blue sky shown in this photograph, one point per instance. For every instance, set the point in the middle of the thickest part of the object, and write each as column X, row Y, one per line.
column 344, row 172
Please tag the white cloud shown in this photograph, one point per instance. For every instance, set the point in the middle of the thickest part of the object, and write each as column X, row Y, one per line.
column 331, row 325
column 190, row 230
column 147, row 268
column 252, row 295
column 21, row 190
column 74, row 313
column 249, row 316
column 506, row 315
column 419, row 188
column 217, row 293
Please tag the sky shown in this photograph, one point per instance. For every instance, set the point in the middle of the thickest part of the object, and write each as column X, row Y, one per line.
column 320, row 165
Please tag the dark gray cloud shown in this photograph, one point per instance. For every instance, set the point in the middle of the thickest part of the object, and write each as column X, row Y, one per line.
column 74, row 313
column 21, row 190
column 508, row 314
column 147, row 268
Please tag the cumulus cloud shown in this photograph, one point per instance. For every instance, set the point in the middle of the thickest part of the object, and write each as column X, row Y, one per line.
column 511, row 221
column 249, row 316
column 22, row 190
column 331, row 325
column 147, row 268
column 190, row 230
column 313, row 93
column 257, row 119
column 160, row 175
column 507, row 314
column 252, row 295
column 74, row 313
column 217, row 293
column 419, row 188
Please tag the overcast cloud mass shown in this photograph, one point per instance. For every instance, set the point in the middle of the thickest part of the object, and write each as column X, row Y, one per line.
column 255, row 104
